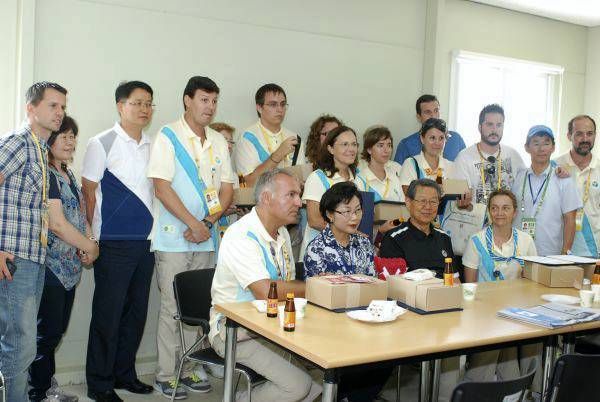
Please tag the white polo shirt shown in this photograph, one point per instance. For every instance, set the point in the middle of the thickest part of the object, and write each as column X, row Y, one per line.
column 587, row 240
column 409, row 172
column 561, row 197
column 245, row 254
column 388, row 189
column 257, row 143
column 118, row 163
column 476, row 252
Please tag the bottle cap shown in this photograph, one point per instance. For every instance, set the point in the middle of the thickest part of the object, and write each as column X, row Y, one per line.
column 447, row 259
column 290, row 295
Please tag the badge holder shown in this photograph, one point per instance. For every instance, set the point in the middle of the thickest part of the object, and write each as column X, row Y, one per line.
column 528, row 226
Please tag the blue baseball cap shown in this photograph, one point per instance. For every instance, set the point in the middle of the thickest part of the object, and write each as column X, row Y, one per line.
column 539, row 130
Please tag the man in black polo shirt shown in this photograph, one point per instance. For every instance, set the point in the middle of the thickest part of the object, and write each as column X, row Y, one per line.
column 417, row 241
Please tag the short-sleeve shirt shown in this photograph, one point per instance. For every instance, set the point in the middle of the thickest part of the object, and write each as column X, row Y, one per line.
column 325, row 255
column 245, row 255
column 388, row 189
column 587, row 240
column 411, row 146
column 409, row 172
column 469, row 165
column 21, row 195
column 476, row 251
column 561, row 197
column 124, row 195
column 257, row 143
column 418, row 249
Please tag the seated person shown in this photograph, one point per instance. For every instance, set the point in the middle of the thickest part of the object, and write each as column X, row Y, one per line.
column 255, row 251
column 417, row 241
column 339, row 248
column 424, row 246
column 493, row 255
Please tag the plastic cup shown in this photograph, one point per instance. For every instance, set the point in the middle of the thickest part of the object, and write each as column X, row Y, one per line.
column 469, row 290
column 300, row 304
column 596, row 290
column 587, row 298
column 281, row 314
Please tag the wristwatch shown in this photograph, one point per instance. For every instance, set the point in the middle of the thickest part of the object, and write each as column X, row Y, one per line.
column 92, row 238
column 208, row 223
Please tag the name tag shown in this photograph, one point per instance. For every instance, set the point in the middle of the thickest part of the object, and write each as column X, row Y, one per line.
column 528, row 226
column 212, row 201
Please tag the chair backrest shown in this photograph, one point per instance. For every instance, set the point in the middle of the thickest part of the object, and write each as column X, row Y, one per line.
column 574, row 379
column 192, row 295
column 493, row 391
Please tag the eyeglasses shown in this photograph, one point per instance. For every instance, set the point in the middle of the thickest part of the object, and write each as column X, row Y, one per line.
column 274, row 105
column 140, row 104
column 347, row 214
column 431, row 203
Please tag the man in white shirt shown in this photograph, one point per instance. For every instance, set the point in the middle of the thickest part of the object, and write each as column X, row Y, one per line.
column 193, row 182
column 267, row 144
column 585, row 169
column 255, row 251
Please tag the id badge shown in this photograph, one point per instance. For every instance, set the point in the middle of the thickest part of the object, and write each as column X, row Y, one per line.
column 44, row 232
column 528, row 226
column 212, row 201
column 579, row 220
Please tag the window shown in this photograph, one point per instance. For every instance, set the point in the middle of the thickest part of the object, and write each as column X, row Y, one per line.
column 529, row 93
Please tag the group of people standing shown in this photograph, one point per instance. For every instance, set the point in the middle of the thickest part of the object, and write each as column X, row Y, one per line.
column 165, row 206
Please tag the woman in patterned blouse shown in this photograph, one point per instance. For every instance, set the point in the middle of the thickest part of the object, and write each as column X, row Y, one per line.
column 339, row 248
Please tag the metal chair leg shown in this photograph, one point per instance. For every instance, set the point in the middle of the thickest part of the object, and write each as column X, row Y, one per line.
column 398, row 385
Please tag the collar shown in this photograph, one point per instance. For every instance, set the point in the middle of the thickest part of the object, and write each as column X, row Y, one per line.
column 329, row 238
column 425, row 165
column 544, row 173
column 337, row 175
column 259, row 229
column 125, row 137
column 418, row 232
column 568, row 159
column 370, row 176
column 269, row 132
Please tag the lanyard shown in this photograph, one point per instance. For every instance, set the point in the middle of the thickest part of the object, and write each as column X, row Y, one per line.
column 213, row 169
column 586, row 187
column 489, row 239
column 544, row 187
column 283, row 270
column 267, row 137
column 43, row 167
column 498, row 169
column 387, row 183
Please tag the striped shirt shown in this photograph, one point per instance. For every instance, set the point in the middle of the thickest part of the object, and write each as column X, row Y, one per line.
column 21, row 195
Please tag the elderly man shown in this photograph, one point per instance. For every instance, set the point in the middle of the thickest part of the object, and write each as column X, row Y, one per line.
column 256, row 250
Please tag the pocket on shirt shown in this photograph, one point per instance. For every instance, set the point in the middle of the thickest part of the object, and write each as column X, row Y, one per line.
column 33, row 178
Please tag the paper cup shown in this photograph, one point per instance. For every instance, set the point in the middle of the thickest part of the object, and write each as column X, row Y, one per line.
column 281, row 314
column 587, row 298
column 300, row 304
column 469, row 290
column 596, row 290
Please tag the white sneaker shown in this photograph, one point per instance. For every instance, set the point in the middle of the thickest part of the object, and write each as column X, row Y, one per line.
column 215, row 371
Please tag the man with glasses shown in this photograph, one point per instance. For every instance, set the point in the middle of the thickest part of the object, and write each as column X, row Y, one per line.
column 193, row 183
column 118, row 199
column 266, row 144
column 428, row 107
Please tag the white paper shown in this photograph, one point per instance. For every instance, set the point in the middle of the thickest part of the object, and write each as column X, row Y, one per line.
column 546, row 260
column 575, row 259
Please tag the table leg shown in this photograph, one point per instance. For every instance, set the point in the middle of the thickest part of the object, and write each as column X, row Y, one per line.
column 568, row 344
column 330, row 386
column 548, row 357
column 425, row 388
column 398, row 383
column 230, row 344
column 435, row 388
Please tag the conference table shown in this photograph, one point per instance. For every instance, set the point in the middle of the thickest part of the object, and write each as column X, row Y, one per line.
column 334, row 341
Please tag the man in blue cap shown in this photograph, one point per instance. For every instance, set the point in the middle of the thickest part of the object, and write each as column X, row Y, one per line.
column 545, row 197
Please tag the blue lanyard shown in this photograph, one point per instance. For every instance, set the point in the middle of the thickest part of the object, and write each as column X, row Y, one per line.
column 534, row 199
column 489, row 240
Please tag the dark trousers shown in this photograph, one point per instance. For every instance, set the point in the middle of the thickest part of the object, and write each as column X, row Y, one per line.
column 52, row 321
column 122, row 275
column 363, row 385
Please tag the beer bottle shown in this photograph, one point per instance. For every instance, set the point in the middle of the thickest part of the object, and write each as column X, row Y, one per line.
column 242, row 181
column 272, row 300
column 448, row 272
column 596, row 277
column 289, row 320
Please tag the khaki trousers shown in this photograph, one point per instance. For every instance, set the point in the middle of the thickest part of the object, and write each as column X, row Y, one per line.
column 502, row 364
column 169, row 264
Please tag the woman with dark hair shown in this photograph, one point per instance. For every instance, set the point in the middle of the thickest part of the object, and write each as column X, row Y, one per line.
column 318, row 132
column 429, row 164
column 339, row 249
column 337, row 163
column 70, row 245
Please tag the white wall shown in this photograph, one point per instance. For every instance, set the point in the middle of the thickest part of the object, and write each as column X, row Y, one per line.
column 485, row 29
column 8, row 63
column 592, row 79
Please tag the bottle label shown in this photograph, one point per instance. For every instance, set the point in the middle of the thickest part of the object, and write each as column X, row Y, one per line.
column 289, row 320
column 596, row 279
column 272, row 306
column 448, row 279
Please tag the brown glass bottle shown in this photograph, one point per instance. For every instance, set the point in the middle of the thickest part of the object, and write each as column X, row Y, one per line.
column 438, row 178
column 272, row 300
column 242, row 181
column 448, row 272
column 289, row 320
column 596, row 277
